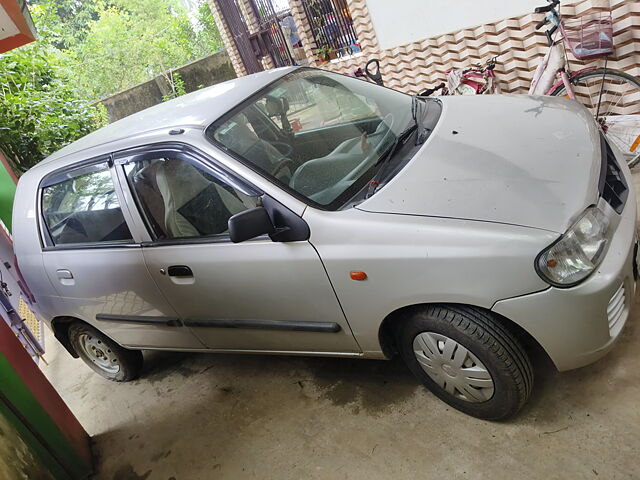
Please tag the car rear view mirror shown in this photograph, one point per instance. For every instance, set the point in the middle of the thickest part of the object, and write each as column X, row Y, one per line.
column 276, row 106
column 250, row 224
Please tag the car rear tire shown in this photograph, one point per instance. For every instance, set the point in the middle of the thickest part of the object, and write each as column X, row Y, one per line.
column 467, row 359
column 103, row 355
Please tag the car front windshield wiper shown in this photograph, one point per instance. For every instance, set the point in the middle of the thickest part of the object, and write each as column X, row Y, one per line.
column 387, row 155
column 397, row 144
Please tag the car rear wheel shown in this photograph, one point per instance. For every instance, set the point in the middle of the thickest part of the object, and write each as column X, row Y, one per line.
column 466, row 358
column 103, row 355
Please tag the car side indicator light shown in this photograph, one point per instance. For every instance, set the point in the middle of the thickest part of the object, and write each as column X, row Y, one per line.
column 359, row 276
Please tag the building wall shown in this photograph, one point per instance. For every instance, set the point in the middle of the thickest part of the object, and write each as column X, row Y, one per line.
column 419, row 41
column 414, row 66
column 227, row 38
column 400, row 23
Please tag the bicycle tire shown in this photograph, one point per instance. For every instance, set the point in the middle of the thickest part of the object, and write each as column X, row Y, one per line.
column 623, row 130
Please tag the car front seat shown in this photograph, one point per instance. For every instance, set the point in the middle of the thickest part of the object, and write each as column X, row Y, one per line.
column 180, row 183
column 243, row 141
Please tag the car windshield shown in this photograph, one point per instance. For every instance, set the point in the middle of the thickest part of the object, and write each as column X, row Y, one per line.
column 319, row 135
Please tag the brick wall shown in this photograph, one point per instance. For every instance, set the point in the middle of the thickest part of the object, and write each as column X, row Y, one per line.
column 418, row 65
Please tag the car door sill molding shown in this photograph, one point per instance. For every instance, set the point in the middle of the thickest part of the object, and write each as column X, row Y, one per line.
column 160, row 321
column 326, row 327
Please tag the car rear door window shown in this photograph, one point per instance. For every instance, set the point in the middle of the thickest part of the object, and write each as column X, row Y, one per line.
column 83, row 208
column 181, row 199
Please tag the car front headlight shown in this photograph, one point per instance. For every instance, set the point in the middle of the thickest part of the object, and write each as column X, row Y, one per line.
column 577, row 253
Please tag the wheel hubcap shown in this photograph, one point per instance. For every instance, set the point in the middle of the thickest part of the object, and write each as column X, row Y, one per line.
column 99, row 353
column 453, row 367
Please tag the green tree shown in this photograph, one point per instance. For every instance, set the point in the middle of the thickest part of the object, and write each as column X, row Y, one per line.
column 108, row 46
column 207, row 33
column 88, row 49
column 64, row 23
column 39, row 112
column 176, row 85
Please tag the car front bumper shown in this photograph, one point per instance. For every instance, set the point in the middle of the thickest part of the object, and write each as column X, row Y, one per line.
column 577, row 326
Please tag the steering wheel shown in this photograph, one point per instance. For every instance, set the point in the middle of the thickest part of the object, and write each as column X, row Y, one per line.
column 284, row 163
column 388, row 120
column 287, row 147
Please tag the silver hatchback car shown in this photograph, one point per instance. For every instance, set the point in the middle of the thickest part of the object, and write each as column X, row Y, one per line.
column 302, row 212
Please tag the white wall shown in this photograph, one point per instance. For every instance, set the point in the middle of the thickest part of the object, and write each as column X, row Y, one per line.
column 398, row 22
column 7, row 27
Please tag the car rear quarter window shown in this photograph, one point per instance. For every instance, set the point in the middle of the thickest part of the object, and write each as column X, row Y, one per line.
column 83, row 209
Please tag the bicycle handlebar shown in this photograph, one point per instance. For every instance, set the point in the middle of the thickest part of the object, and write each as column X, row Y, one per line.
column 552, row 15
column 542, row 23
column 376, row 76
column 546, row 8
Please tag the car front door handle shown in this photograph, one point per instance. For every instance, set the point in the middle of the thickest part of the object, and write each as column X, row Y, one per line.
column 65, row 277
column 179, row 271
column 64, row 274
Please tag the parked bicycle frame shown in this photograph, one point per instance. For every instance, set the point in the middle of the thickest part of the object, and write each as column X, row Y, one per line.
column 612, row 96
column 476, row 80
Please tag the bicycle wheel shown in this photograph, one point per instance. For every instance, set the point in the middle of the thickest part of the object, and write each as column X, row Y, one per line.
column 619, row 112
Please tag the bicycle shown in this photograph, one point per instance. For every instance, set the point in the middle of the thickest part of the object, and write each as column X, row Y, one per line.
column 612, row 96
column 477, row 80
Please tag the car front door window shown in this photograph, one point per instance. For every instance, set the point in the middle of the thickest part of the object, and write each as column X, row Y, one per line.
column 180, row 199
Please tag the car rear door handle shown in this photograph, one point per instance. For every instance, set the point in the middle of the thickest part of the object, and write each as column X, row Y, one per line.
column 179, row 271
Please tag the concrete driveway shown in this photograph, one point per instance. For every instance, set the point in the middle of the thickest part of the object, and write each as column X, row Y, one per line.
column 199, row 416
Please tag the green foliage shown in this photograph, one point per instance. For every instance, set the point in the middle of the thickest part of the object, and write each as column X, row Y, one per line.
column 208, row 35
column 176, row 84
column 39, row 111
column 86, row 50
column 63, row 23
column 101, row 114
column 110, row 45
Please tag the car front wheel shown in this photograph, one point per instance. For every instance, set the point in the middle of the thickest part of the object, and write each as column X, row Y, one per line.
column 466, row 358
column 103, row 355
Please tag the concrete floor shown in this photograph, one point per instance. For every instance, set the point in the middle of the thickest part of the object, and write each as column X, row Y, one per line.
column 198, row 416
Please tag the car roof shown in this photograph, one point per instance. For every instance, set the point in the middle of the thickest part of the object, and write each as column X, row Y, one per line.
column 197, row 109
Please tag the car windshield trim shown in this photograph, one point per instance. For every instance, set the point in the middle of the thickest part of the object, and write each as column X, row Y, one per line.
column 353, row 186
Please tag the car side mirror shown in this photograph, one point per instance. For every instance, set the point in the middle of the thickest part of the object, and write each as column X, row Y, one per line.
column 250, row 224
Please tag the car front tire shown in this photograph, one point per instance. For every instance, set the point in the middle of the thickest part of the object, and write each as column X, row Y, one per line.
column 467, row 359
column 103, row 355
